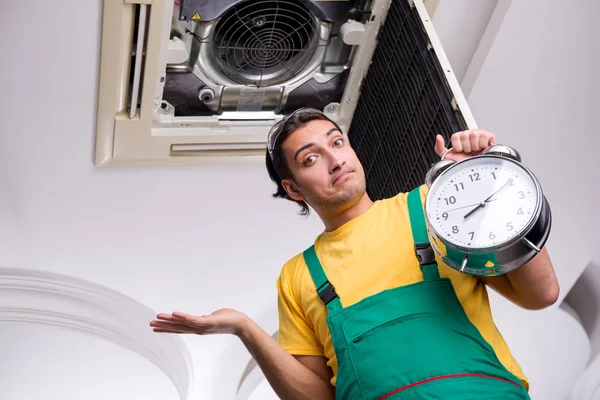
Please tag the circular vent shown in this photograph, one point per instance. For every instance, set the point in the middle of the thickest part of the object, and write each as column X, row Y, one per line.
column 262, row 43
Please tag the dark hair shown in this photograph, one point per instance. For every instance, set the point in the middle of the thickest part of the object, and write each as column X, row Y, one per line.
column 277, row 165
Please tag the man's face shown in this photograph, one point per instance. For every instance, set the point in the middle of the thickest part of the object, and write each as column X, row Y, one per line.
column 327, row 174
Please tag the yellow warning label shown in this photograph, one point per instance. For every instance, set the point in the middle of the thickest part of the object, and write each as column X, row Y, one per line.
column 489, row 264
column 196, row 17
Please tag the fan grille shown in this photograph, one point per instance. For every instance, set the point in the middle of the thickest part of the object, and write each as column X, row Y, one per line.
column 262, row 43
column 403, row 104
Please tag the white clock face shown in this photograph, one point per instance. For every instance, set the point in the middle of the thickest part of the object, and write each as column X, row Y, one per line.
column 482, row 202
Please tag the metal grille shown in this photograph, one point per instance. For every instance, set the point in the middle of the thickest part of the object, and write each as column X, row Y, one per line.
column 404, row 103
column 261, row 43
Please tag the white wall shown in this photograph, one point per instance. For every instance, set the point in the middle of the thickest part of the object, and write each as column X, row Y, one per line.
column 538, row 90
column 198, row 239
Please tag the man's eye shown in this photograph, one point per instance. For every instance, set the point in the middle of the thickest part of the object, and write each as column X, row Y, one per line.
column 338, row 142
column 310, row 160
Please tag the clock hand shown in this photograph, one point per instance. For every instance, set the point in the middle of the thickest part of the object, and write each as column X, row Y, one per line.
column 483, row 203
column 470, row 205
column 508, row 183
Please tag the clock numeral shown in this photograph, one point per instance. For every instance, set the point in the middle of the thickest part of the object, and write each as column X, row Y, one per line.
column 475, row 177
column 520, row 212
column 459, row 186
column 511, row 182
column 521, row 195
column 450, row 200
column 455, row 229
column 509, row 226
column 494, row 174
column 492, row 236
column 445, row 216
column 472, row 235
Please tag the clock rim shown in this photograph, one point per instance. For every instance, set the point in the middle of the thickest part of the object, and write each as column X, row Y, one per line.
column 497, row 247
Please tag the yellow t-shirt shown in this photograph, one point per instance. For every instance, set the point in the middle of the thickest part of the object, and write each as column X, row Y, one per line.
column 367, row 255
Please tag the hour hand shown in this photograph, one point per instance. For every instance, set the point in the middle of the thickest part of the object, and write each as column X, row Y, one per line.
column 480, row 205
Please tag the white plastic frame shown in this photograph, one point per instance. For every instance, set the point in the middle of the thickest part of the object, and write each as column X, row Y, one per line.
column 149, row 139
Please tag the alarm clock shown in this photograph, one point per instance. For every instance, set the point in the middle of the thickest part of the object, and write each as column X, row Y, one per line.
column 486, row 215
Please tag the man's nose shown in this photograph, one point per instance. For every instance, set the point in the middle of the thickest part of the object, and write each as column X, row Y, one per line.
column 335, row 163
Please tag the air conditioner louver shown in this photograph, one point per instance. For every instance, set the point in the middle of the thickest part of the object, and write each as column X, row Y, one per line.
column 405, row 102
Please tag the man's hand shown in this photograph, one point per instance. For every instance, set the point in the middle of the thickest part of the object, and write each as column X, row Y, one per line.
column 224, row 321
column 465, row 144
column 306, row 378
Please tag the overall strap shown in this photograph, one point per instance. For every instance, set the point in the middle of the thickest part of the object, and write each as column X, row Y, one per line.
column 423, row 248
column 325, row 289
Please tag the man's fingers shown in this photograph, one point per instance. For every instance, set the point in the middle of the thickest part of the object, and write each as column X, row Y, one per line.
column 465, row 141
column 474, row 140
column 471, row 141
column 167, row 317
column 168, row 324
column 465, row 144
column 487, row 139
column 178, row 317
column 172, row 326
column 163, row 330
column 191, row 320
column 457, row 146
column 183, row 320
column 183, row 316
column 483, row 141
column 440, row 146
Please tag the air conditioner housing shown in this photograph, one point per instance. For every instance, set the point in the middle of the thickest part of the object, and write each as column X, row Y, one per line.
column 198, row 81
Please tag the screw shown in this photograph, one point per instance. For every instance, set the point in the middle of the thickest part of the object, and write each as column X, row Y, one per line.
column 206, row 95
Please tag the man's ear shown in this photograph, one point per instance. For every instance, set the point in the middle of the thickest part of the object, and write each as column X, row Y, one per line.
column 292, row 190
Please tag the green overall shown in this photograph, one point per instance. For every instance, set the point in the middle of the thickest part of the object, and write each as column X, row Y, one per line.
column 413, row 341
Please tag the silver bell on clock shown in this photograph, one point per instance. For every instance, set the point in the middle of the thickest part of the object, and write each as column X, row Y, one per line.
column 486, row 215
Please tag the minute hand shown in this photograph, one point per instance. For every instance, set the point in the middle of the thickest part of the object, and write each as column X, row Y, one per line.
column 483, row 203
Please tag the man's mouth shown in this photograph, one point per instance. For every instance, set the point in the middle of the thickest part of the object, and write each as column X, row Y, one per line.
column 341, row 176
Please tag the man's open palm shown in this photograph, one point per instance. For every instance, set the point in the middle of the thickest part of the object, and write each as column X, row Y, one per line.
column 219, row 322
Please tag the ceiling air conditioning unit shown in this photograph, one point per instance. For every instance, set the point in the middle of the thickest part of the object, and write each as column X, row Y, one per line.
column 184, row 82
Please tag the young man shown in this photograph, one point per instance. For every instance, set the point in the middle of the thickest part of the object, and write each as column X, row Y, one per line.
column 360, row 316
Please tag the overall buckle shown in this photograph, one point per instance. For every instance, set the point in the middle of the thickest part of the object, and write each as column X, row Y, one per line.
column 327, row 294
column 425, row 254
